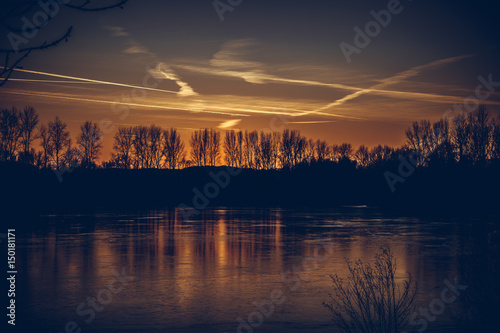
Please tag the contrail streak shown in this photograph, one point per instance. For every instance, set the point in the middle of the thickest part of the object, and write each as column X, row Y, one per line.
column 52, row 81
column 284, row 113
column 91, row 81
column 312, row 122
column 94, row 81
column 39, row 94
column 393, row 80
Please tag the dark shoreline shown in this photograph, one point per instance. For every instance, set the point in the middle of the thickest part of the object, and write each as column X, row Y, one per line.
column 450, row 191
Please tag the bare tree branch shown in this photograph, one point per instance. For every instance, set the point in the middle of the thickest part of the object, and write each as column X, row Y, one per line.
column 15, row 10
column 83, row 7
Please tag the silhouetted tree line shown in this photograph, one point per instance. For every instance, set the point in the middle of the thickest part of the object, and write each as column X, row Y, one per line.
column 143, row 147
column 468, row 139
column 19, row 130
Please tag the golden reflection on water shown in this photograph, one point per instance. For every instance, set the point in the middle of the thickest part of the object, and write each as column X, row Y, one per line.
column 210, row 268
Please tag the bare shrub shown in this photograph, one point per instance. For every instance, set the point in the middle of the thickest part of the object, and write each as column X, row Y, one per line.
column 369, row 299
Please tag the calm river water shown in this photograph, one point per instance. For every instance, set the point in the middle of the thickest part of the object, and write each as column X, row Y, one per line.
column 209, row 273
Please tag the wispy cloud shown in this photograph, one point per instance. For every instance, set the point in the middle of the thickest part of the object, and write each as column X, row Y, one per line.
column 236, row 59
column 356, row 91
column 232, row 55
column 162, row 71
column 259, row 77
column 230, row 123
column 136, row 49
column 116, row 31
column 312, row 122
column 233, row 61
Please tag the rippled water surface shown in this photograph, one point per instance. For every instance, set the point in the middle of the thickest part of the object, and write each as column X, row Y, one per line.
column 203, row 273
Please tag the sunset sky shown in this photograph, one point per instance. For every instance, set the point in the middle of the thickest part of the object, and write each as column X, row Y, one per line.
column 265, row 59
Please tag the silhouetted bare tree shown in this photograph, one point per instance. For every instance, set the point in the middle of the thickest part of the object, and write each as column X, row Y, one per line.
column 380, row 154
column 275, row 153
column 239, row 152
column 292, row 148
column 309, row 151
column 300, row 148
column 198, row 151
column 461, row 135
column 58, row 137
column 140, row 144
column 173, row 148
column 9, row 134
column 442, row 150
column 213, row 146
column 480, row 135
column 251, row 146
column 495, row 139
column 286, row 152
column 334, row 153
column 155, row 146
column 231, row 148
column 122, row 147
column 45, row 143
column 345, row 152
column 362, row 156
column 421, row 140
column 266, row 150
column 205, row 147
column 322, row 150
column 72, row 157
column 28, row 120
column 90, row 144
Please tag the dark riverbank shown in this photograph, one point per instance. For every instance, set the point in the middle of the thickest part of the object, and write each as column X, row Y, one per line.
column 450, row 190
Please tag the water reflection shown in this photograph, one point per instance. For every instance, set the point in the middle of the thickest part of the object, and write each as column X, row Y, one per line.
column 203, row 273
